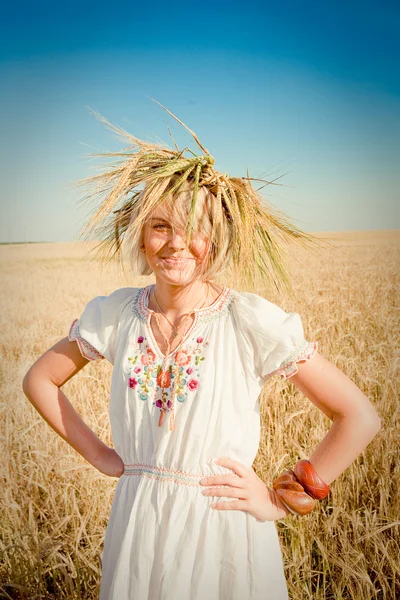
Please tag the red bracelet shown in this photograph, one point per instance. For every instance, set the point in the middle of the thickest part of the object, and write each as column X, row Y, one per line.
column 292, row 495
column 310, row 480
column 298, row 489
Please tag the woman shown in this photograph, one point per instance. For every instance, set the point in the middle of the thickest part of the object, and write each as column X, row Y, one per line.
column 190, row 518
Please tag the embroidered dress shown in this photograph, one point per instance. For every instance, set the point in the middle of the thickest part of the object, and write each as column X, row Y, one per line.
column 163, row 541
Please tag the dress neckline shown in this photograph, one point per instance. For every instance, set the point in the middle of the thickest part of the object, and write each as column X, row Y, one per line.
column 201, row 313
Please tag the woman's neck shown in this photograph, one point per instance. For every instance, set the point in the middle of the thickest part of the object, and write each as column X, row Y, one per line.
column 176, row 300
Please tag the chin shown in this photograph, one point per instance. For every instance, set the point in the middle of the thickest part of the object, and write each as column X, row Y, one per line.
column 174, row 275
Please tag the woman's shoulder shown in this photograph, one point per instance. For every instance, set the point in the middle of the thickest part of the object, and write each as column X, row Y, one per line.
column 253, row 307
column 273, row 337
column 120, row 295
column 112, row 305
column 124, row 292
column 96, row 329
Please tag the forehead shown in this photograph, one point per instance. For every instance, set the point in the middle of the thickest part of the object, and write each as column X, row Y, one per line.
column 158, row 216
column 177, row 212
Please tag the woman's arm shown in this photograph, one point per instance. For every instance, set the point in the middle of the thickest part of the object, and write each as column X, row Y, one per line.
column 355, row 420
column 41, row 386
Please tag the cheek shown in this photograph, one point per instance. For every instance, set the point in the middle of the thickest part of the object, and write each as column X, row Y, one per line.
column 152, row 240
column 199, row 246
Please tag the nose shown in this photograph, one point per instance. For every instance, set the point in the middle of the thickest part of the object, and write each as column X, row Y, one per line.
column 177, row 239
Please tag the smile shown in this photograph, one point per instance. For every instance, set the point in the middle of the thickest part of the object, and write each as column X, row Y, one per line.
column 173, row 260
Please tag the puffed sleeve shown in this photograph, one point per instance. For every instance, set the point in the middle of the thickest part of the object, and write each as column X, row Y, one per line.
column 96, row 330
column 274, row 339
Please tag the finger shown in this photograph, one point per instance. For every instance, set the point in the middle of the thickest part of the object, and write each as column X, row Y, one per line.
column 235, row 465
column 228, row 492
column 233, row 480
column 235, row 505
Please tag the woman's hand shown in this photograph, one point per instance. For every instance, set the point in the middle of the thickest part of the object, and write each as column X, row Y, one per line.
column 250, row 492
column 110, row 463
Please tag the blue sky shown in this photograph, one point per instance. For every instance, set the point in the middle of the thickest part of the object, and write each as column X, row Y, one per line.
column 306, row 90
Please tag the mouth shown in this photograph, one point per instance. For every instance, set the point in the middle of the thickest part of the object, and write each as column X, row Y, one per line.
column 173, row 258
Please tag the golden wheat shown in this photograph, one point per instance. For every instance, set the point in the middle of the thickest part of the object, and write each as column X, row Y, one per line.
column 54, row 505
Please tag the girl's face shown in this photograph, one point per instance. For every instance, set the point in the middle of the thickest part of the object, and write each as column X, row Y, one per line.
column 167, row 252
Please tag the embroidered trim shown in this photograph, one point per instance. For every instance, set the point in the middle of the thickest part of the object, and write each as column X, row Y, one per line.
column 219, row 307
column 136, row 306
column 86, row 349
column 164, row 474
column 304, row 352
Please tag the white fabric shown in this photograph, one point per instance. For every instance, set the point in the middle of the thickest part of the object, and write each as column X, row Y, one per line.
column 163, row 541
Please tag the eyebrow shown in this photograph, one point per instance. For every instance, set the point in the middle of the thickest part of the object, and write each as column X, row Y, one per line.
column 158, row 219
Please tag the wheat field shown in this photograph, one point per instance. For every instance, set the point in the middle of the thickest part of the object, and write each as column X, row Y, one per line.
column 54, row 505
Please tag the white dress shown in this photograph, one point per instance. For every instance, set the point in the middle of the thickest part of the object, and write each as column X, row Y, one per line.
column 163, row 541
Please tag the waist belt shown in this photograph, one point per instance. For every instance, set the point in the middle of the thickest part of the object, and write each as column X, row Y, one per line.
column 165, row 474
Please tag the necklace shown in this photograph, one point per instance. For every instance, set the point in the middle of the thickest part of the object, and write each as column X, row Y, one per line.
column 183, row 318
column 176, row 327
column 163, row 378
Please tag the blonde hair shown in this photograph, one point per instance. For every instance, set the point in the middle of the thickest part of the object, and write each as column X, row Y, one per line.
column 177, row 203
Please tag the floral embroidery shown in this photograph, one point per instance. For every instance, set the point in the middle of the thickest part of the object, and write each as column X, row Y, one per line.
column 132, row 382
column 193, row 384
column 177, row 379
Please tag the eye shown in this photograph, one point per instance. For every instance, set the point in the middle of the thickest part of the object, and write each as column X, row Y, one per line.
column 160, row 226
